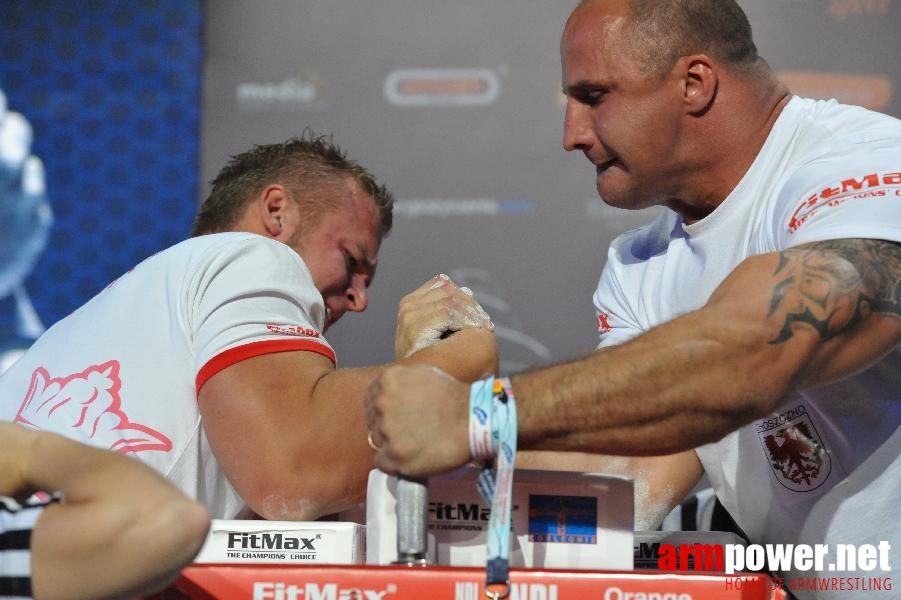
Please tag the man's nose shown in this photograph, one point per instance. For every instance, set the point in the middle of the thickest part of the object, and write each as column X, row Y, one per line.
column 577, row 132
column 357, row 297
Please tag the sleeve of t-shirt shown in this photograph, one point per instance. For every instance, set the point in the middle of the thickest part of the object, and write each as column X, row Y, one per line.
column 852, row 194
column 253, row 296
column 615, row 320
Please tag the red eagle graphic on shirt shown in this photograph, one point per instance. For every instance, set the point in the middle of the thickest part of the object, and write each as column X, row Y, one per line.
column 797, row 455
column 89, row 403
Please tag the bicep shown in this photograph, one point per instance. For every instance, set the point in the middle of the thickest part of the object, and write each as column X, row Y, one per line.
column 826, row 309
column 248, row 409
column 849, row 292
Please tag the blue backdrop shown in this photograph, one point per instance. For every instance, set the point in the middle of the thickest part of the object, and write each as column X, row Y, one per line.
column 112, row 91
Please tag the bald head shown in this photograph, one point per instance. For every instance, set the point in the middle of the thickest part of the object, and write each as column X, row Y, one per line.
column 658, row 32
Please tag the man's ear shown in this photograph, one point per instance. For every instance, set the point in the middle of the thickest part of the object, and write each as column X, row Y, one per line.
column 700, row 83
column 272, row 205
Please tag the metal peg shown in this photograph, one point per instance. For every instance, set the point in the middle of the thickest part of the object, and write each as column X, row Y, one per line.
column 412, row 521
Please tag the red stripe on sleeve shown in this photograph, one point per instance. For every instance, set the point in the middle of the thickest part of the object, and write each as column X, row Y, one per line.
column 236, row 355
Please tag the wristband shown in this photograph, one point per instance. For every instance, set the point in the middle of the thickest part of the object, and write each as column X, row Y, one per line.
column 480, row 412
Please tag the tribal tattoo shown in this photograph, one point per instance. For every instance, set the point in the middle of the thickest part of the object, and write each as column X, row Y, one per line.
column 832, row 285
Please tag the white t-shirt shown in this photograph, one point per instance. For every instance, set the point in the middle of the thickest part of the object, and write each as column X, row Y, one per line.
column 123, row 371
column 824, row 458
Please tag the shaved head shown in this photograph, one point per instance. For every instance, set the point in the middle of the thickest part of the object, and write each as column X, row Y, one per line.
column 659, row 32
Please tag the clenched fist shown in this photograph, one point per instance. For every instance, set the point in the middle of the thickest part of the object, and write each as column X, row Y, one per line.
column 435, row 310
column 418, row 419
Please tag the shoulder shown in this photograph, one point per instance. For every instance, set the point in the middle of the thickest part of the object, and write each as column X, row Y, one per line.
column 838, row 153
column 827, row 128
column 234, row 251
column 234, row 241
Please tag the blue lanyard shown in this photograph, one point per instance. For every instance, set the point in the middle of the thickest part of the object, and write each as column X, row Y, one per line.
column 495, row 484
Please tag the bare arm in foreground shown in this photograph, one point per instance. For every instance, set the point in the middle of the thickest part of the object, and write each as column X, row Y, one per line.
column 121, row 530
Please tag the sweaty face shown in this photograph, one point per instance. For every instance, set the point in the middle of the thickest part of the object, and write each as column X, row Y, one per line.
column 341, row 252
column 626, row 123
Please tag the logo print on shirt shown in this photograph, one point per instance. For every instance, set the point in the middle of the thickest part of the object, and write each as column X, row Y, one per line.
column 871, row 185
column 796, row 453
column 88, row 402
column 603, row 323
column 296, row 330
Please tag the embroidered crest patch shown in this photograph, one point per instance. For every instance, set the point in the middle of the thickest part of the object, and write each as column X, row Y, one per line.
column 795, row 450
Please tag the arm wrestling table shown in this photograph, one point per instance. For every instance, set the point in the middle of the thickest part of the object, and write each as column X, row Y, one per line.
column 412, row 578
column 370, row 582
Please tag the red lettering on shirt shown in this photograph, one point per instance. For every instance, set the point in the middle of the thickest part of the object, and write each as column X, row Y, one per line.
column 293, row 330
column 830, row 196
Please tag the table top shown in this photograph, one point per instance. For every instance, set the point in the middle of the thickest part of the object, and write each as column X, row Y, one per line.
column 370, row 582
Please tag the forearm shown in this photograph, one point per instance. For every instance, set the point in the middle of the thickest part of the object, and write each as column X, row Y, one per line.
column 674, row 388
column 120, row 528
column 467, row 355
column 778, row 323
column 115, row 547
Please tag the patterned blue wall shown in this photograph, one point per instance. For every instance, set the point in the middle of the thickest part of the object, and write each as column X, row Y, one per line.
column 112, row 91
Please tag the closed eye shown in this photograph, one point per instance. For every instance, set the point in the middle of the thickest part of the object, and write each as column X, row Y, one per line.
column 359, row 266
column 592, row 98
column 589, row 95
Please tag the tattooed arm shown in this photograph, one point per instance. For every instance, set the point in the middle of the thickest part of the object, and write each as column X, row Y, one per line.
column 780, row 322
column 849, row 292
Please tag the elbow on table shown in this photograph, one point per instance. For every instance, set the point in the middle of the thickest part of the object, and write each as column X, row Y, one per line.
column 312, row 496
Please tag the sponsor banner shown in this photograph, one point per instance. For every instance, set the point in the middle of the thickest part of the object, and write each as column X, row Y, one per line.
column 412, row 208
column 870, row 91
column 289, row 93
column 647, row 547
column 326, row 582
column 564, row 520
column 283, row 542
column 842, row 10
column 442, row 87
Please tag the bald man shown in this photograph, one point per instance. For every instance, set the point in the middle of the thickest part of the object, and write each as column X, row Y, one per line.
column 750, row 331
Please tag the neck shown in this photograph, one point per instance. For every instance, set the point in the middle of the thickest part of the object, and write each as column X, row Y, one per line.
column 729, row 138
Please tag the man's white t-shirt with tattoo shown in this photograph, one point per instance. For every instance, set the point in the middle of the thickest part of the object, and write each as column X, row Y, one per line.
column 123, row 371
column 825, row 466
